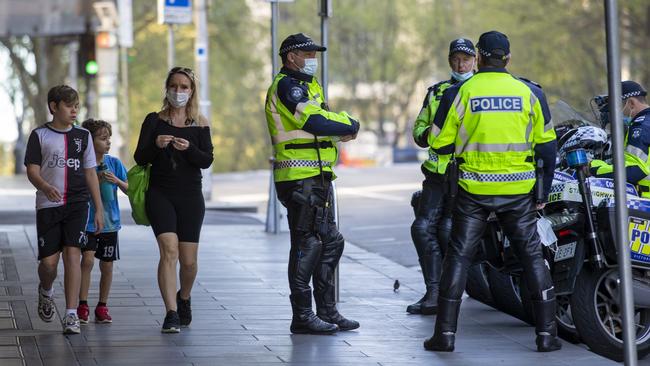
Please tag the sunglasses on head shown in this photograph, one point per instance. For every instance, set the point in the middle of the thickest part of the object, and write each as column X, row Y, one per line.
column 184, row 70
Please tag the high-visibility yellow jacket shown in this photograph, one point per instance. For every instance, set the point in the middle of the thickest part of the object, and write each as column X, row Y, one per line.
column 497, row 126
column 297, row 116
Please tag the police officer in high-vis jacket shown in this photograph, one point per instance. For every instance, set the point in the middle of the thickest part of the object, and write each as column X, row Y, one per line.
column 498, row 126
column 636, row 116
column 304, row 134
column 429, row 224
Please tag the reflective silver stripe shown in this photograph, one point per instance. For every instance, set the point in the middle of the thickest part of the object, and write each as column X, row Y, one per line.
column 282, row 135
column 549, row 125
column 460, row 107
column 529, row 130
column 300, row 108
column 637, row 152
column 511, row 177
column 464, row 138
column 481, row 147
column 298, row 164
column 435, row 130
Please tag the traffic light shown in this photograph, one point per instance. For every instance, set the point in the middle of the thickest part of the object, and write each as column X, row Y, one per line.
column 87, row 57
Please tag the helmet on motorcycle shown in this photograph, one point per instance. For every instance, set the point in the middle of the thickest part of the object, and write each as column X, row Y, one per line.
column 593, row 139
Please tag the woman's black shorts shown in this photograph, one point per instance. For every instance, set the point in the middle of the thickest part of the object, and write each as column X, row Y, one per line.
column 179, row 212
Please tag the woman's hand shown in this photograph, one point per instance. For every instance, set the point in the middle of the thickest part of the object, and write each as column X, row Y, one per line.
column 180, row 144
column 163, row 140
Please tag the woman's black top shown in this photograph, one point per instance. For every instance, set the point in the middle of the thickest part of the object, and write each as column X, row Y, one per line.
column 171, row 168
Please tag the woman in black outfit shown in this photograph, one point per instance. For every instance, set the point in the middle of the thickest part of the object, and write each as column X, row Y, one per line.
column 176, row 142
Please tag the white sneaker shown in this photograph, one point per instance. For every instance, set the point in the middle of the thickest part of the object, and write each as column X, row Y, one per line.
column 46, row 308
column 71, row 324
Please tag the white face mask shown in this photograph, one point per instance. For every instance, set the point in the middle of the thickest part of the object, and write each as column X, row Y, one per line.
column 311, row 65
column 462, row 77
column 177, row 100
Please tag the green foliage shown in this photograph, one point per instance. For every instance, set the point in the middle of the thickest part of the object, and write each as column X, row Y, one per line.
column 395, row 49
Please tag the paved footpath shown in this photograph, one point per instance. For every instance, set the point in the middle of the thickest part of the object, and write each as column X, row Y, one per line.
column 242, row 313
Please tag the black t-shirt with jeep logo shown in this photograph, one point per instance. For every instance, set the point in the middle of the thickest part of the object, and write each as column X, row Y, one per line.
column 62, row 156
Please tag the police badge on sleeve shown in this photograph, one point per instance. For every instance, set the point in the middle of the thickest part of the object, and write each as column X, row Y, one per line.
column 296, row 93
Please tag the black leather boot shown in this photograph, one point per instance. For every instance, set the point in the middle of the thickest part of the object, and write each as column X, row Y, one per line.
column 444, row 335
column 416, row 308
column 545, row 326
column 304, row 320
column 433, row 268
column 324, row 288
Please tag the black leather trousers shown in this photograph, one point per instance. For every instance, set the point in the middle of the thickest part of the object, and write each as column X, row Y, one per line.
column 425, row 230
column 517, row 217
column 314, row 253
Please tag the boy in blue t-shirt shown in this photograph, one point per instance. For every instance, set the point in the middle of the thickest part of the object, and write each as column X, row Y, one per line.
column 104, row 245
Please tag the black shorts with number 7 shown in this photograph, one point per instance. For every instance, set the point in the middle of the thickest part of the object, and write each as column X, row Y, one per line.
column 105, row 246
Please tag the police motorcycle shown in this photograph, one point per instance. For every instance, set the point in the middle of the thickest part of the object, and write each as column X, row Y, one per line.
column 582, row 256
column 502, row 277
column 595, row 298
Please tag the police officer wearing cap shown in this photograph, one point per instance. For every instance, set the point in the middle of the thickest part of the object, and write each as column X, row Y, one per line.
column 497, row 126
column 636, row 116
column 304, row 134
column 431, row 222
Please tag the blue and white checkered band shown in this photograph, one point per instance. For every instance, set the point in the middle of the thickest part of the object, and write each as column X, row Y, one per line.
column 297, row 46
column 488, row 54
column 299, row 164
column 633, row 94
column 464, row 49
column 483, row 52
column 512, row 177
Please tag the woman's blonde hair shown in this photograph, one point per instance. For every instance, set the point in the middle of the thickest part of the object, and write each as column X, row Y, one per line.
column 192, row 106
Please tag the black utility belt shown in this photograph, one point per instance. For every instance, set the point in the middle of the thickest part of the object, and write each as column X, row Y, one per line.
column 309, row 145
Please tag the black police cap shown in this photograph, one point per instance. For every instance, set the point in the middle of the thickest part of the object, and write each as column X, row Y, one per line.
column 462, row 45
column 631, row 88
column 299, row 41
column 494, row 44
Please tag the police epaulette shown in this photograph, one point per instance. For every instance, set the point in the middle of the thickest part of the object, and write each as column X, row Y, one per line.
column 529, row 81
column 434, row 88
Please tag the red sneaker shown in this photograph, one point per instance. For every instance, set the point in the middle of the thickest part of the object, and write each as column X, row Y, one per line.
column 101, row 315
column 83, row 312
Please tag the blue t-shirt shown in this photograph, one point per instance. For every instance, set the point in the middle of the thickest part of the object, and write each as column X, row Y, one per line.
column 109, row 199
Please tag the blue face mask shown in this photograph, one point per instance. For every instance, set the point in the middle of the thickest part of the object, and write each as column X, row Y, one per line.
column 462, row 77
column 627, row 120
column 311, row 65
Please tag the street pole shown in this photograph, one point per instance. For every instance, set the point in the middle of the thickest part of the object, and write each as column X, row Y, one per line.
column 124, row 104
column 620, row 195
column 325, row 13
column 203, row 67
column 275, row 213
column 73, row 74
column 170, row 47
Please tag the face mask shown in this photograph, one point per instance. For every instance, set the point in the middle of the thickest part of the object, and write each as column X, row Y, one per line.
column 311, row 65
column 462, row 77
column 177, row 100
column 627, row 120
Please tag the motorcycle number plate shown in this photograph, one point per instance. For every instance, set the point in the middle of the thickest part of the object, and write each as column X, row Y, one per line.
column 565, row 251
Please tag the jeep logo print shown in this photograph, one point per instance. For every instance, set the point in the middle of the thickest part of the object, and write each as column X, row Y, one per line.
column 60, row 162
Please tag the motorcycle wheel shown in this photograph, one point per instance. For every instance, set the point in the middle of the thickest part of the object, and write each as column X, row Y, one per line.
column 506, row 295
column 566, row 327
column 598, row 318
column 478, row 287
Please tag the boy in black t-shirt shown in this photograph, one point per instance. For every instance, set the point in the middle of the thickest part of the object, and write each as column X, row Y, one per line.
column 60, row 162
